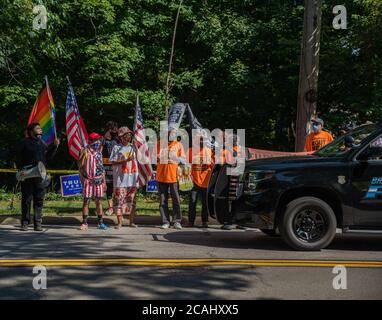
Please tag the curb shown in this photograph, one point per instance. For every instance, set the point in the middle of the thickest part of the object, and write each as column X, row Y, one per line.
column 77, row 219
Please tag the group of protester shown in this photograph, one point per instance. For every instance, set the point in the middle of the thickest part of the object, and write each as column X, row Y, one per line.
column 108, row 165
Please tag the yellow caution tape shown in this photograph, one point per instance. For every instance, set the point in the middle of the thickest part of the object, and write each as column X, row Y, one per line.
column 49, row 171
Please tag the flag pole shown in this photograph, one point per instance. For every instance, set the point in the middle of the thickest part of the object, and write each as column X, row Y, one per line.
column 76, row 113
column 136, row 107
column 50, row 107
column 135, row 121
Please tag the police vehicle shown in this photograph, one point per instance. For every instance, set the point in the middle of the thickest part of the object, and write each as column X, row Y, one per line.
column 305, row 198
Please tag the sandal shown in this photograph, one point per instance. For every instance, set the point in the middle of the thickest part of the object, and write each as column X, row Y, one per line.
column 84, row 227
column 109, row 211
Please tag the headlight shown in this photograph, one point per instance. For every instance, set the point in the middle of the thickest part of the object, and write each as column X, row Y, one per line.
column 255, row 177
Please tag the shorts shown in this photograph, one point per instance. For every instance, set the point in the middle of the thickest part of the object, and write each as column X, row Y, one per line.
column 92, row 191
column 124, row 200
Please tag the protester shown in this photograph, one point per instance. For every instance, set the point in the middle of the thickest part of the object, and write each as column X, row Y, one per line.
column 168, row 159
column 125, row 175
column 219, row 152
column 92, row 174
column 201, row 159
column 110, row 141
column 233, row 151
column 27, row 154
column 345, row 128
column 318, row 138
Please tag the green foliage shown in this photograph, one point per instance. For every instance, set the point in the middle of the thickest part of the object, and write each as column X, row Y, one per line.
column 235, row 62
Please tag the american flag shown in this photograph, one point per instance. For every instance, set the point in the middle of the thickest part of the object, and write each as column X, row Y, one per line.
column 144, row 166
column 75, row 128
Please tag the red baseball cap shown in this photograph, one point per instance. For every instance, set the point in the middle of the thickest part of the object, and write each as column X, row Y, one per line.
column 95, row 136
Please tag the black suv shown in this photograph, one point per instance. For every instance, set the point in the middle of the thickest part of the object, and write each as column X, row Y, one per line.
column 305, row 198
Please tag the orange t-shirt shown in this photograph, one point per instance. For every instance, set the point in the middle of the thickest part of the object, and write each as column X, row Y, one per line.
column 202, row 164
column 316, row 141
column 167, row 172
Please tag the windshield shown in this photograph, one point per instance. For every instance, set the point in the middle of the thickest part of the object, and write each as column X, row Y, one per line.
column 343, row 144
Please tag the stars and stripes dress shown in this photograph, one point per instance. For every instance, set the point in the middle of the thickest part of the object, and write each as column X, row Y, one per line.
column 92, row 175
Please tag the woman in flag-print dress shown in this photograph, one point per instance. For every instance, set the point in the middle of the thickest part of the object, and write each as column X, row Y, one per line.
column 92, row 174
column 125, row 176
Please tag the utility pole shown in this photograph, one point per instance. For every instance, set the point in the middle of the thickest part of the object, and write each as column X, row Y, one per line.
column 309, row 67
column 171, row 57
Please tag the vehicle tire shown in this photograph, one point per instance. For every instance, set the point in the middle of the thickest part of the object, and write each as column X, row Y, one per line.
column 308, row 224
column 270, row 232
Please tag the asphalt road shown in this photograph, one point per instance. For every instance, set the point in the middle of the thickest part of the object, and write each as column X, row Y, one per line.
column 150, row 263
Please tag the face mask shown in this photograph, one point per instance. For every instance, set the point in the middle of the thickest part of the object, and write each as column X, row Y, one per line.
column 172, row 137
column 96, row 146
column 316, row 128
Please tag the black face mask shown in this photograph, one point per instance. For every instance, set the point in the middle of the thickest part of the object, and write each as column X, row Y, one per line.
column 35, row 135
column 113, row 134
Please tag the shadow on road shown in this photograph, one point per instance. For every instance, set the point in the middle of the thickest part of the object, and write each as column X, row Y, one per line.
column 130, row 282
column 250, row 239
column 16, row 244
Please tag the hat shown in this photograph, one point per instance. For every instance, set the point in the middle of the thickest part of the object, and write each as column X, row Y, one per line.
column 95, row 136
column 124, row 130
column 318, row 120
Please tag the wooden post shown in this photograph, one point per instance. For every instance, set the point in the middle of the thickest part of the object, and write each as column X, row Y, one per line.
column 309, row 68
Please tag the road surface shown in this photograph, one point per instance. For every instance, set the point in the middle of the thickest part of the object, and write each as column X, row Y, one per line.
column 150, row 263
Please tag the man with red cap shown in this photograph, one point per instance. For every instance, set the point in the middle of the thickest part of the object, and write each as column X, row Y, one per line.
column 92, row 174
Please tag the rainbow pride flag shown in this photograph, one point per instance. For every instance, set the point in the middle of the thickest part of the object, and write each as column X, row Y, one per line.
column 44, row 113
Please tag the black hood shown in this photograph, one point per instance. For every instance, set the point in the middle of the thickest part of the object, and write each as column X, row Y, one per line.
column 279, row 162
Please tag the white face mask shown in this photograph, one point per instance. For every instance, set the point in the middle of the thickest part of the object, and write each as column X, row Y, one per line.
column 172, row 136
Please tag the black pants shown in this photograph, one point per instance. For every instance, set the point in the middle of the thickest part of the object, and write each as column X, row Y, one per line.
column 163, row 189
column 109, row 190
column 32, row 189
column 194, row 194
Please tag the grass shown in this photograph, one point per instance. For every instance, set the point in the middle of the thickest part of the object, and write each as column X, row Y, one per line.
column 56, row 205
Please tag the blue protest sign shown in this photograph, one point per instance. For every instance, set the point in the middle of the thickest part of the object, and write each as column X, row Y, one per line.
column 71, row 185
column 152, row 183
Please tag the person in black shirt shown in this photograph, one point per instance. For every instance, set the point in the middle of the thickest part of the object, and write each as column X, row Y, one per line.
column 28, row 153
column 110, row 140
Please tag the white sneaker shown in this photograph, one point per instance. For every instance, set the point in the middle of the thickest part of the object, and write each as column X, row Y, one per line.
column 165, row 226
column 177, row 225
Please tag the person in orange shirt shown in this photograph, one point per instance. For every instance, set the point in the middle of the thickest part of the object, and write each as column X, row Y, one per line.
column 201, row 159
column 168, row 159
column 318, row 138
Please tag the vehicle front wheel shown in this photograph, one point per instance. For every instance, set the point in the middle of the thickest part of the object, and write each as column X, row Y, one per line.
column 308, row 224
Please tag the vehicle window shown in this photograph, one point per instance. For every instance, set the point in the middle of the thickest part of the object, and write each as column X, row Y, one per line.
column 377, row 142
column 373, row 151
column 344, row 144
